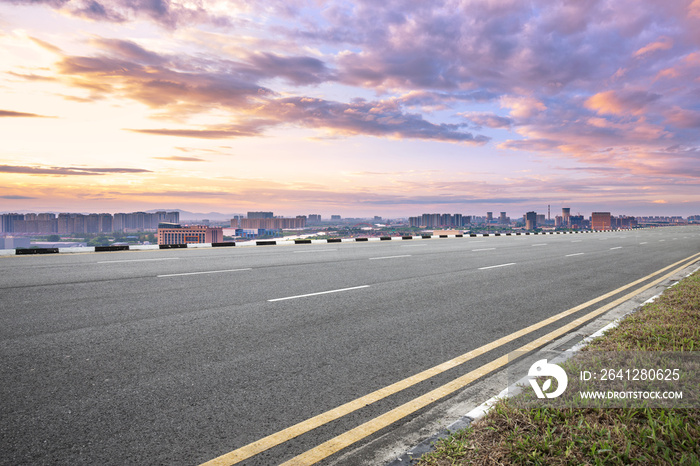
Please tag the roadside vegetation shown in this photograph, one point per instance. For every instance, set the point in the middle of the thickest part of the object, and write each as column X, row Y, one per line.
column 509, row 434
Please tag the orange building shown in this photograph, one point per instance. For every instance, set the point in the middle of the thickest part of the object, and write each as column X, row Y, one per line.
column 601, row 221
column 177, row 234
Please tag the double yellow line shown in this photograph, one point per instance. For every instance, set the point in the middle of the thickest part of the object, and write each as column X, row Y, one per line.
column 368, row 428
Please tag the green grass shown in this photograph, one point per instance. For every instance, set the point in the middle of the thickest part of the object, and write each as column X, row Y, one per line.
column 513, row 434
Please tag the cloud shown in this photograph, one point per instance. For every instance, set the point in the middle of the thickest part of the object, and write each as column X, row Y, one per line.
column 46, row 46
column 299, row 70
column 438, row 71
column 17, row 197
column 32, row 77
column 63, row 171
column 216, row 132
column 522, row 107
column 621, row 102
column 490, row 120
column 179, row 158
column 166, row 13
column 375, row 118
column 12, row 114
column 664, row 43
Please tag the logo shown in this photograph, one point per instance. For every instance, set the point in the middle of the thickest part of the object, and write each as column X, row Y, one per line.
column 543, row 369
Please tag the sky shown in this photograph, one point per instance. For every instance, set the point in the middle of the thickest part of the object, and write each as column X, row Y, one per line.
column 354, row 108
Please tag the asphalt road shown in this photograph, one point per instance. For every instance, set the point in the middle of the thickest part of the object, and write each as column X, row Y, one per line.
column 178, row 356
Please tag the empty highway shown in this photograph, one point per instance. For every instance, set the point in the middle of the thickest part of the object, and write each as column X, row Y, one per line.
column 178, row 357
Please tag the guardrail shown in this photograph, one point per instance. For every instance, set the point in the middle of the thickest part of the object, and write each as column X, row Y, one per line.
column 28, row 251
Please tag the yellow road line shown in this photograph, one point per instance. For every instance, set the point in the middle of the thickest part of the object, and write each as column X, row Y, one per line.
column 296, row 430
column 346, row 439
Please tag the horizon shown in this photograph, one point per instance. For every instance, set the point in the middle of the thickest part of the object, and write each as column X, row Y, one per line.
column 343, row 217
column 351, row 108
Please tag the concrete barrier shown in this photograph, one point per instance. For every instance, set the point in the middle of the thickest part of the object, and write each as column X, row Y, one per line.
column 120, row 247
column 78, row 249
column 25, row 251
column 143, row 247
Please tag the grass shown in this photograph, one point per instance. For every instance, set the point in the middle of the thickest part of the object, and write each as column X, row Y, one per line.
column 514, row 432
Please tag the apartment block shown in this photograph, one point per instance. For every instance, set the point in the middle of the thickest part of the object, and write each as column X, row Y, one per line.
column 269, row 223
column 178, row 234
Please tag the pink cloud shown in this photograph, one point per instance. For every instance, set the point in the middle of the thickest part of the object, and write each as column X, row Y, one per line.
column 620, row 102
column 664, row 43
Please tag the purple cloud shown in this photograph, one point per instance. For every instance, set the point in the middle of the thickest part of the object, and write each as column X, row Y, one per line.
column 377, row 118
column 163, row 12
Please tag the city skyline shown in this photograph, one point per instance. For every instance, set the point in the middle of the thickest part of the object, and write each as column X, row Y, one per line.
column 350, row 108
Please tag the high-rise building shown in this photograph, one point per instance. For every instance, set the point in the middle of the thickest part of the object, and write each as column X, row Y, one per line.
column 531, row 220
column 489, row 217
column 601, row 221
column 503, row 220
column 269, row 223
column 314, row 219
column 576, row 221
column 565, row 215
column 7, row 222
column 104, row 223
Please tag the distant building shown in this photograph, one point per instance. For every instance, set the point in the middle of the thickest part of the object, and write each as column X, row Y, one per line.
column 269, row 223
column 576, row 221
column 335, row 217
column 250, row 233
column 565, row 215
column 489, row 217
column 531, row 220
column 439, row 220
column 314, row 219
column 503, row 220
column 7, row 222
column 178, row 234
column 260, row 215
column 623, row 222
column 601, row 221
column 143, row 221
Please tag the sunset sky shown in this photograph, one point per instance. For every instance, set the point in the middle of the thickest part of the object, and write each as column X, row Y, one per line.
column 356, row 108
